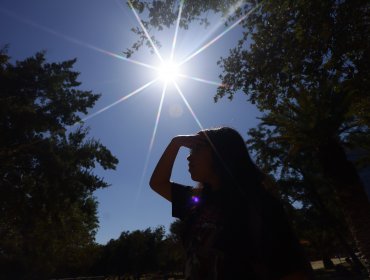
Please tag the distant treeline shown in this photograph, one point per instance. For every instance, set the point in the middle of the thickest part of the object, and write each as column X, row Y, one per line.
column 141, row 251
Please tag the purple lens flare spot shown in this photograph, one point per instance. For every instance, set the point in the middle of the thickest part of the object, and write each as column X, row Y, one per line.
column 195, row 199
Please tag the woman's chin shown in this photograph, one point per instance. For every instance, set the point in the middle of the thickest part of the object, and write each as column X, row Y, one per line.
column 193, row 177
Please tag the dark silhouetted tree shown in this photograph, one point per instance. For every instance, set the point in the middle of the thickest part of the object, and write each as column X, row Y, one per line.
column 48, row 211
column 172, row 256
column 133, row 253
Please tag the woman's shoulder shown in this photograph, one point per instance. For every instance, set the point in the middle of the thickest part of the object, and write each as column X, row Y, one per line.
column 180, row 190
column 181, row 187
column 183, row 199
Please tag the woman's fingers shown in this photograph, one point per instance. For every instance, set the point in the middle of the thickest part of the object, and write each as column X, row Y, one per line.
column 190, row 141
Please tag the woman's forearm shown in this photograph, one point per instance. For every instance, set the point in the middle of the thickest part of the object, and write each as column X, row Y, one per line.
column 160, row 179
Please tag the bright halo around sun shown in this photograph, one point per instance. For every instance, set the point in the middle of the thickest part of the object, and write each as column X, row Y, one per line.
column 168, row 71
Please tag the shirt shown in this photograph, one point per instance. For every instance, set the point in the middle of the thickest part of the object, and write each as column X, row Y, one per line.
column 236, row 239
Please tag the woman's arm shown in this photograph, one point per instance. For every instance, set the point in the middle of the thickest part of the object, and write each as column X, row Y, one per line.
column 160, row 180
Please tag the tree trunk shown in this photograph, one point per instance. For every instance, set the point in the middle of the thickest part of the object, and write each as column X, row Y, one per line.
column 351, row 194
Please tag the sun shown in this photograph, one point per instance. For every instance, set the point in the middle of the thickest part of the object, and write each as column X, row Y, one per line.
column 168, row 71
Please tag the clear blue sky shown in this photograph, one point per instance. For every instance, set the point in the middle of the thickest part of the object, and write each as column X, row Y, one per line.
column 87, row 30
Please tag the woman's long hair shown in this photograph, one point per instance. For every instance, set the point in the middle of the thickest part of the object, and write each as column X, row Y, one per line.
column 232, row 162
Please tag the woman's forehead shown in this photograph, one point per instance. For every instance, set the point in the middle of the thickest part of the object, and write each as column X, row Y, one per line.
column 202, row 146
column 200, row 149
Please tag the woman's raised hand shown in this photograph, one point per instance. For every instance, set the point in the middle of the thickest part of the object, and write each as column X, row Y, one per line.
column 189, row 141
column 160, row 180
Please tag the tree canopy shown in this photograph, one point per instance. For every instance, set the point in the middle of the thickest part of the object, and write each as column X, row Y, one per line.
column 141, row 251
column 48, row 211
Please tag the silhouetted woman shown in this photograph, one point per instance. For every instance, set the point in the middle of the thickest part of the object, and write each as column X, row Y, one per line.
column 233, row 229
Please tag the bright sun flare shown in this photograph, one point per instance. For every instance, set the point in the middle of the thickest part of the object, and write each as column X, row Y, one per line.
column 168, row 71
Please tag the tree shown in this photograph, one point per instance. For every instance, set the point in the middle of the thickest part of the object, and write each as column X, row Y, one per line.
column 316, row 215
column 173, row 254
column 48, row 211
column 133, row 253
column 305, row 66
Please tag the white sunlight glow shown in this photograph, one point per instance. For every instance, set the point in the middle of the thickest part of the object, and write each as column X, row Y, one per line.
column 168, row 71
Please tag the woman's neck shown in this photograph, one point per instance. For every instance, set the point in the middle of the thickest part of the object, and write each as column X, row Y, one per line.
column 215, row 184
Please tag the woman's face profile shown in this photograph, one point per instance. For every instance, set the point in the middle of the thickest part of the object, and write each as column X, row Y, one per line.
column 201, row 162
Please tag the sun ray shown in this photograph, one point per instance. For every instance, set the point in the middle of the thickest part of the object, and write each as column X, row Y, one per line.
column 219, row 36
column 145, row 31
column 73, row 40
column 202, row 80
column 118, row 101
column 157, row 118
column 125, row 59
column 151, row 143
column 176, row 30
column 188, row 105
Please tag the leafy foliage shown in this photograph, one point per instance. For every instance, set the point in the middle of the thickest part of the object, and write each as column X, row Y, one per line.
column 162, row 14
column 141, row 251
column 46, row 168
